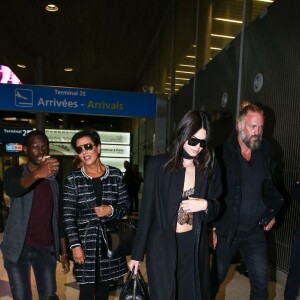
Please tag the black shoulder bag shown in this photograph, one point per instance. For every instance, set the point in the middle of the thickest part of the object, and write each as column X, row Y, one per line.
column 118, row 236
column 134, row 288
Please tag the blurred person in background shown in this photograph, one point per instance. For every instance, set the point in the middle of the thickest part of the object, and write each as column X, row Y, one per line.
column 77, row 162
column 137, row 180
column 129, row 180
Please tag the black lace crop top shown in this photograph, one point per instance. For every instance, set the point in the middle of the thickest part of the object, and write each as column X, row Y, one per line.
column 183, row 217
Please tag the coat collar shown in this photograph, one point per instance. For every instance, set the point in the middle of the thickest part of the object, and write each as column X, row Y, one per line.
column 89, row 177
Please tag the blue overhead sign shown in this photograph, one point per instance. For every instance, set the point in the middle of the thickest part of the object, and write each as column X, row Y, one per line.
column 76, row 101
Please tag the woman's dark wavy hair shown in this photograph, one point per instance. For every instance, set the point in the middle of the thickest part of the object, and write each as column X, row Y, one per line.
column 93, row 134
column 191, row 122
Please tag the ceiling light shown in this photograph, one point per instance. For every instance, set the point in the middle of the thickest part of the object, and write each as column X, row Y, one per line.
column 215, row 48
column 82, row 121
column 10, row 119
column 51, row 7
column 190, row 56
column 229, row 20
column 185, row 72
column 179, row 84
column 223, row 36
column 269, row 1
column 167, row 89
column 189, row 66
column 179, row 78
column 68, row 69
column 21, row 66
column 60, row 120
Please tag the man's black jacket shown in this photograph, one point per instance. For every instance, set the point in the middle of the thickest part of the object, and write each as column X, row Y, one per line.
column 231, row 200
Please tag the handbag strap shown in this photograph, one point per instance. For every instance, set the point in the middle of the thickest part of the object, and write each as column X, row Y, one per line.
column 127, row 281
column 134, row 288
column 142, row 285
column 137, row 284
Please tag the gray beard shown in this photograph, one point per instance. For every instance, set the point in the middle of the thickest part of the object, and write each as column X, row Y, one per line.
column 251, row 145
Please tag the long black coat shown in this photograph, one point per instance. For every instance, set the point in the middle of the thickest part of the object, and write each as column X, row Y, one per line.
column 156, row 234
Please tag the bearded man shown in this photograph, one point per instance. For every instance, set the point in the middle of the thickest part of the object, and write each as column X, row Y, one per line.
column 250, row 201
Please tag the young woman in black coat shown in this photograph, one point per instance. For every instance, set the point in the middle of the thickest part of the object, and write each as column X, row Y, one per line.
column 180, row 196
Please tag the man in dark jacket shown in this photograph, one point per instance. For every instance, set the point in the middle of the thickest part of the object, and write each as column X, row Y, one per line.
column 32, row 237
column 250, row 203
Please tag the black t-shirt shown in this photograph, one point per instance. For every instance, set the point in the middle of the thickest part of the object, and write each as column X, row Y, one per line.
column 97, row 184
column 252, row 178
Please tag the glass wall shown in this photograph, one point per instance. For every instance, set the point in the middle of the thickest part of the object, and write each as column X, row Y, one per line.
column 191, row 34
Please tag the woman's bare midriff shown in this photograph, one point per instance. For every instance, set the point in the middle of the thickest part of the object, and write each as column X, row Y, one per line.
column 183, row 228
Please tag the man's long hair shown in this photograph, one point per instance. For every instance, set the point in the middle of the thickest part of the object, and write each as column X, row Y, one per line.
column 191, row 122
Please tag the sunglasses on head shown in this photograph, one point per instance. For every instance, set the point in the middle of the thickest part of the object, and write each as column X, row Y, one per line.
column 87, row 147
column 194, row 141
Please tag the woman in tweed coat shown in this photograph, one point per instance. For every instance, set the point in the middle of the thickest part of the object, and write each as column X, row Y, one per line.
column 93, row 193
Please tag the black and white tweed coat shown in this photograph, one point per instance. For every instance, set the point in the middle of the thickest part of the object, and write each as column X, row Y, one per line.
column 82, row 224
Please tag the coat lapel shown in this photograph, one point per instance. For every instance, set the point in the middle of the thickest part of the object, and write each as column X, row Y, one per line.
column 176, row 181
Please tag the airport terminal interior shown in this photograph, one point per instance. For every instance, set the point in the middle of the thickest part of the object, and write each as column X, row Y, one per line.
column 130, row 70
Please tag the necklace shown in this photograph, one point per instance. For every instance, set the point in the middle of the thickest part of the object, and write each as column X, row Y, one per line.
column 97, row 173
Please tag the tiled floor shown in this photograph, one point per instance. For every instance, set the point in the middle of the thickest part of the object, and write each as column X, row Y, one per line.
column 236, row 286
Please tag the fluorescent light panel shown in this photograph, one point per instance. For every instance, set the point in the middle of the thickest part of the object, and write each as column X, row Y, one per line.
column 188, row 66
column 222, row 36
column 229, row 20
column 184, row 72
column 268, row 1
column 179, row 84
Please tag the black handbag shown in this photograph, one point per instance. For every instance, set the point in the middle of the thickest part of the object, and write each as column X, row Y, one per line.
column 118, row 236
column 134, row 288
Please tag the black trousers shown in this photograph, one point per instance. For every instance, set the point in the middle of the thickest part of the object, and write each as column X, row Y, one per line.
column 185, row 266
column 97, row 291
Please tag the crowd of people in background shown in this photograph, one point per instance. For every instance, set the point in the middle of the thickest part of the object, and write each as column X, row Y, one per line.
column 190, row 196
column 133, row 179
